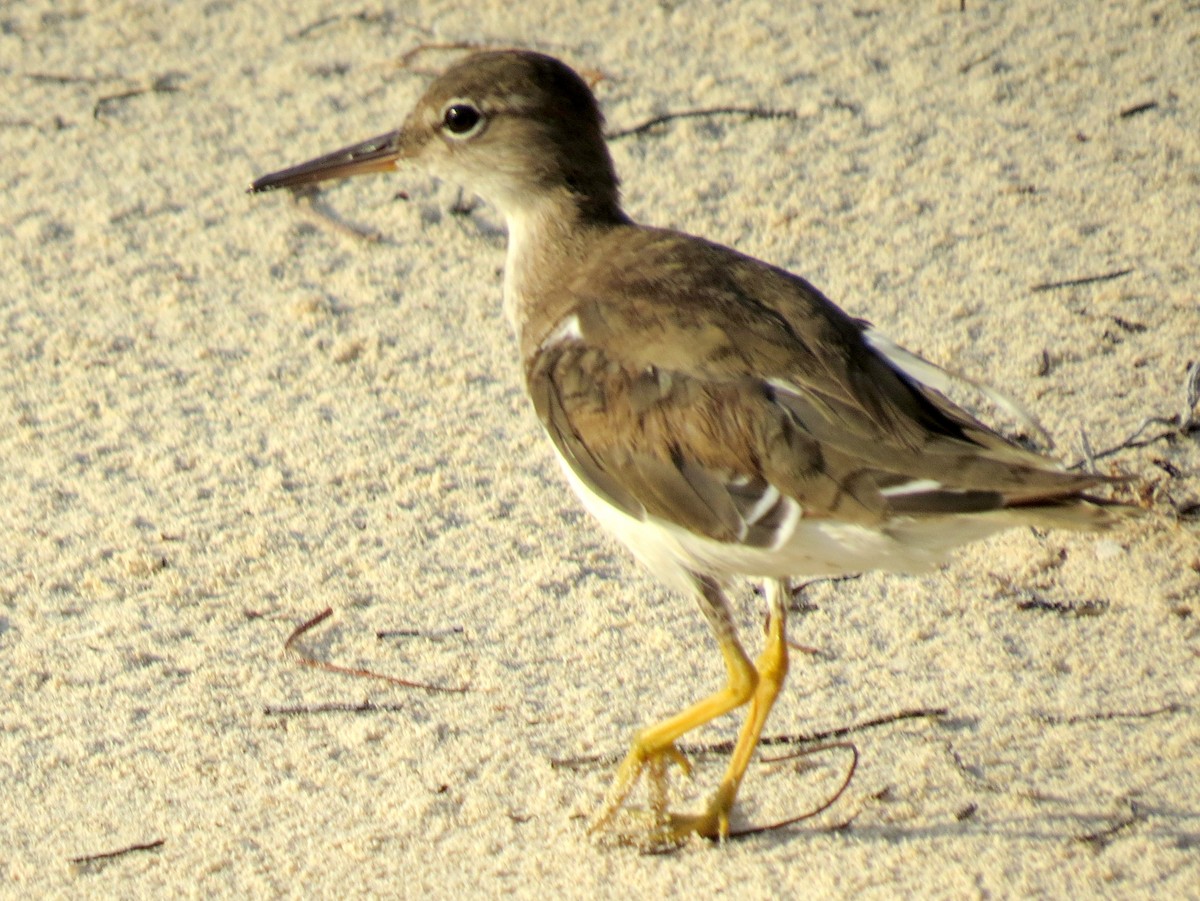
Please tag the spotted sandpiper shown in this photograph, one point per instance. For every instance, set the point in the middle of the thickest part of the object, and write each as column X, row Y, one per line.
column 717, row 414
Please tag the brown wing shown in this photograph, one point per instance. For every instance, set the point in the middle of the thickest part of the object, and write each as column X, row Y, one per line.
column 710, row 381
column 720, row 459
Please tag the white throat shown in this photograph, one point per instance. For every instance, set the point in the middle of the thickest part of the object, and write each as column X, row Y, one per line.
column 528, row 229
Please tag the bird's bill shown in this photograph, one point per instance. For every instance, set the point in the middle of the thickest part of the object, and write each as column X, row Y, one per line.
column 378, row 154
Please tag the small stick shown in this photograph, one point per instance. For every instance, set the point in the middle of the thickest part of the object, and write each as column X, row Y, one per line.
column 120, row 852
column 313, row 26
column 1085, row 280
column 434, row 635
column 885, row 720
column 306, row 660
column 1191, row 392
column 968, row 66
column 305, row 709
column 1108, row 715
column 724, row 747
column 816, row 811
column 1135, row 440
column 1089, row 455
column 1102, row 838
column 1137, row 109
column 1034, row 601
column 164, row 84
column 56, row 78
column 1043, row 368
column 753, row 112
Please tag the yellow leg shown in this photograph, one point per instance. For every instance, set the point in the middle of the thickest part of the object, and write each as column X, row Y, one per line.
column 653, row 746
column 657, row 742
column 772, row 667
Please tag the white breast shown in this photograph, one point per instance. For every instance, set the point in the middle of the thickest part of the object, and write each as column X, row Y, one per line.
column 525, row 228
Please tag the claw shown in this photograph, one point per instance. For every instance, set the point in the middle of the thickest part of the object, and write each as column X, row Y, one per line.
column 679, row 759
column 654, row 827
column 656, row 830
column 640, row 759
column 713, row 823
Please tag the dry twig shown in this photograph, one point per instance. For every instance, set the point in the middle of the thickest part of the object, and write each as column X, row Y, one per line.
column 821, row 808
column 1084, row 280
column 1183, row 423
column 171, row 83
column 306, row 660
column 335, row 707
column 752, row 112
column 120, row 852
column 724, row 747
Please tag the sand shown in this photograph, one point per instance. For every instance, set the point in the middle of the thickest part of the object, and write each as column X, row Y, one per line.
column 223, row 414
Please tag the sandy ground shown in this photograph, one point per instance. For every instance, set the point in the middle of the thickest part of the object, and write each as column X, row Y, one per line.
column 222, row 414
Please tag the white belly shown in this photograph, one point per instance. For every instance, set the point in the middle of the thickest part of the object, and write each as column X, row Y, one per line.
column 815, row 548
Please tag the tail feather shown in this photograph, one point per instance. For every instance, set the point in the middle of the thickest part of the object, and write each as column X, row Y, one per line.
column 1080, row 512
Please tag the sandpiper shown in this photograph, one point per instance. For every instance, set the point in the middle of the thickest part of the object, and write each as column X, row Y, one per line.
column 718, row 414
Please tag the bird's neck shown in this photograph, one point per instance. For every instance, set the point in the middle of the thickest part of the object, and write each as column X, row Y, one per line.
column 547, row 235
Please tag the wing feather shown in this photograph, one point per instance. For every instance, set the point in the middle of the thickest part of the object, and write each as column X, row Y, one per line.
column 755, row 403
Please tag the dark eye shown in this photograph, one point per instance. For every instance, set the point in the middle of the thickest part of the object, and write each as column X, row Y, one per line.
column 461, row 118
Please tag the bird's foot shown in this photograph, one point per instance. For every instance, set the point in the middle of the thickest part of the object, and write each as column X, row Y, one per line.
column 711, row 823
column 654, row 827
column 653, row 762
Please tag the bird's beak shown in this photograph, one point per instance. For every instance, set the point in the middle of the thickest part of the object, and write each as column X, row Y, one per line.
column 375, row 155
